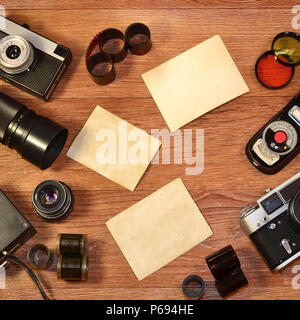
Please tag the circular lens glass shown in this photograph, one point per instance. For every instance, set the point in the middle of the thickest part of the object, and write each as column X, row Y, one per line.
column 271, row 73
column 286, row 46
column 13, row 52
column 49, row 197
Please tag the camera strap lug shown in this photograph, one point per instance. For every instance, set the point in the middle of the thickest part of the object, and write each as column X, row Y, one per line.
column 268, row 190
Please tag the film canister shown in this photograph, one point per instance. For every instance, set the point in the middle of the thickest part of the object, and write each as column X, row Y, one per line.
column 71, row 244
column 72, row 267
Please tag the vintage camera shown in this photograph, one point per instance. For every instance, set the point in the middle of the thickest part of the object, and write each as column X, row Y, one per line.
column 15, row 229
column 30, row 61
column 277, row 142
column 273, row 224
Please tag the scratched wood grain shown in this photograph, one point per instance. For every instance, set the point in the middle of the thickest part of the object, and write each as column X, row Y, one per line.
column 228, row 182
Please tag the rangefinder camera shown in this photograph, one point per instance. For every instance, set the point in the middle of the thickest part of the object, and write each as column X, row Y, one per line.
column 30, row 61
column 273, row 224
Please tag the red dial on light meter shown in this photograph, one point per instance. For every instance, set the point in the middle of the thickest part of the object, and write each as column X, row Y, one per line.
column 280, row 137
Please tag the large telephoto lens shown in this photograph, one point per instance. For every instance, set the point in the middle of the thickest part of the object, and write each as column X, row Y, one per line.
column 37, row 139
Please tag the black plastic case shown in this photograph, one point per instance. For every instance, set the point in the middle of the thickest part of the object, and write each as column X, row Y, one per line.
column 15, row 229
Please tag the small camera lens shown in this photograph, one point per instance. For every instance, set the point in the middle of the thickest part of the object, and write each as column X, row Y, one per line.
column 52, row 200
column 17, row 55
column 13, row 52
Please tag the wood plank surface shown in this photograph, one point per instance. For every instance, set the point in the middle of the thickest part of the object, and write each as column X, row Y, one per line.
column 228, row 183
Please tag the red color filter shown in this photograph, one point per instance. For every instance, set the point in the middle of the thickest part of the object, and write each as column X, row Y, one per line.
column 271, row 73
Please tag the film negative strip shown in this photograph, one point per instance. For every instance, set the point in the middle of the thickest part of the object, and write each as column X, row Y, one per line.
column 226, row 269
column 138, row 38
column 100, row 61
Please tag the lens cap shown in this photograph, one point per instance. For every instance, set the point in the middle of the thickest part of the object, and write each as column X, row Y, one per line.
column 271, row 73
column 286, row 47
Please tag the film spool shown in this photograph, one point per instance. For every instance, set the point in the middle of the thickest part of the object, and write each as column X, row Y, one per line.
column 109, row 34
column 72, row 267
column 138, row 38
column 193, row 287
column 71, row 244
column 39, row 256
column 100, row 75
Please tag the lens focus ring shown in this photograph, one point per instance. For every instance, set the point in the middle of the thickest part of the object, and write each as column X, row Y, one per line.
column 16, row 54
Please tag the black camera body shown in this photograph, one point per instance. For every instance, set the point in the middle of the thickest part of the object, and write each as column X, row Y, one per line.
column 30, row 61
column 273, row 224
column 278, row 141
column 15, row 229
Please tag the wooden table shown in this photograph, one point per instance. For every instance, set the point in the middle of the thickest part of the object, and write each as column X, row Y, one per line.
column 228, row 182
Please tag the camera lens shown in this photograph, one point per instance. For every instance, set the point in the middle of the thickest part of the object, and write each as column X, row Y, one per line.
column 294, row 210
column 16, row 54
column 13, row 52
column 49, row 197
column 37, row 139
column 52, row 200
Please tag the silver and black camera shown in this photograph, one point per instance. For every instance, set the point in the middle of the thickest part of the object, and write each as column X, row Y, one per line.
column 30, row 61
column 273, row 224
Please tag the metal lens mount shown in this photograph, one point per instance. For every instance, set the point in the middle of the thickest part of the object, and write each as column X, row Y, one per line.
column 294, row 210
column 16, row 54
